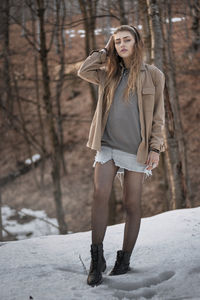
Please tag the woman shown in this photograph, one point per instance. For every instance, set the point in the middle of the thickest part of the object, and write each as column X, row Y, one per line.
column 127, row 133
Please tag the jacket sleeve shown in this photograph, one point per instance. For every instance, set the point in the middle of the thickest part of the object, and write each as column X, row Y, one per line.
column 157, row 134
column 90, row 69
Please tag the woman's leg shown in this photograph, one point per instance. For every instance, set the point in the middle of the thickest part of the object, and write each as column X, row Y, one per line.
column 132, row 192
column 104, row 175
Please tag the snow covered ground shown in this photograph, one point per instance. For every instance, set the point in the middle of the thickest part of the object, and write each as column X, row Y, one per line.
column 165, row 263
column 27, row 223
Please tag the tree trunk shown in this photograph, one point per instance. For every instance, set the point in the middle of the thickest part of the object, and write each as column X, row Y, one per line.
column 180, row 159
column 195, row 12
column 5, row 15
column 1, row 225
column 106, row 22
column 145, row 31
column 55, row 155
column 157, row 45
column 122, row 13
column 88, row 10
column 60, row 82
column 175, row 158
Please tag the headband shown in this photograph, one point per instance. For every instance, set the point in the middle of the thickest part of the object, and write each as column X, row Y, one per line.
column 135, row 31
column 137, row 35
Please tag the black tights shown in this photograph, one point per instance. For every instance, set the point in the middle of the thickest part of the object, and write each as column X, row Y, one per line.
column 104, row 175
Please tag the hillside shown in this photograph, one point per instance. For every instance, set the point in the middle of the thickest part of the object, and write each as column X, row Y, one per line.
column 77, row 184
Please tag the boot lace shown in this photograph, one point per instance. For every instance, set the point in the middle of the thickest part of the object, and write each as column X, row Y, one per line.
column 94, row 260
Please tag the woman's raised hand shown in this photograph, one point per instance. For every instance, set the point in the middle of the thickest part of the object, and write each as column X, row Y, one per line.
column 109, row 42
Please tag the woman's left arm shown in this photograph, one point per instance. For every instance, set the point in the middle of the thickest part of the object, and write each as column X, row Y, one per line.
column 156, row 140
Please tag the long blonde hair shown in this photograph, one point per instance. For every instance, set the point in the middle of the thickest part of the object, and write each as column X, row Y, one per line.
column 114, row 67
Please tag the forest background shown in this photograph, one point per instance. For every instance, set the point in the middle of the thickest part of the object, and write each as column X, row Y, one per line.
column 46, row 109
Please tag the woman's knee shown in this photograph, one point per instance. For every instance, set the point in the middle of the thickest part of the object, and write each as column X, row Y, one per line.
column 132, row 207
column 102, row 190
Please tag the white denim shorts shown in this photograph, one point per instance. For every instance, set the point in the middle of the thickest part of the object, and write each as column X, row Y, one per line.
column 121, row 159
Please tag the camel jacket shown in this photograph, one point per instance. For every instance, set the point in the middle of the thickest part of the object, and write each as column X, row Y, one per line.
column 149, row 87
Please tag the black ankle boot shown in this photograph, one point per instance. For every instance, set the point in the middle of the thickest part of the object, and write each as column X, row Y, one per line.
column 97, row 266
column 122, row 263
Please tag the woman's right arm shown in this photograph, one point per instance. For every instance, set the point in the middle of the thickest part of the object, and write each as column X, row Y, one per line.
column 91, row 70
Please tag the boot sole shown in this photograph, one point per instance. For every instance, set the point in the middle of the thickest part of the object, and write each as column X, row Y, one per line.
column 96, row 284
column 99, row 282
column 121, row 273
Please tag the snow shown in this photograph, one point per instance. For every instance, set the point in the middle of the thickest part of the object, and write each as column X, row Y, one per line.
column 98, row 31
column 174, row 20
column 165, row 263
column 34, row 158
column 27, row 223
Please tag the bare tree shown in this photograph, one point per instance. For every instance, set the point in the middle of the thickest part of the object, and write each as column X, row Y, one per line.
column 1, row 224
column 54, row 139
column 46, row 106
column 195, row 12
column 122, row 13
column 5, row 20
column 89, row 10
column 175, row 157
column 145, row 30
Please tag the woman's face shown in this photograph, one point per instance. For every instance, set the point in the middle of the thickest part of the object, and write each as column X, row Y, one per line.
column 124, row 42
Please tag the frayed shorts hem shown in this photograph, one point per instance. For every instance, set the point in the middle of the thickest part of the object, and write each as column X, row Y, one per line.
column 121, row 159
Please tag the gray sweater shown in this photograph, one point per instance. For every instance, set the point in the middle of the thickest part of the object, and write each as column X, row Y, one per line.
column 123, row 129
